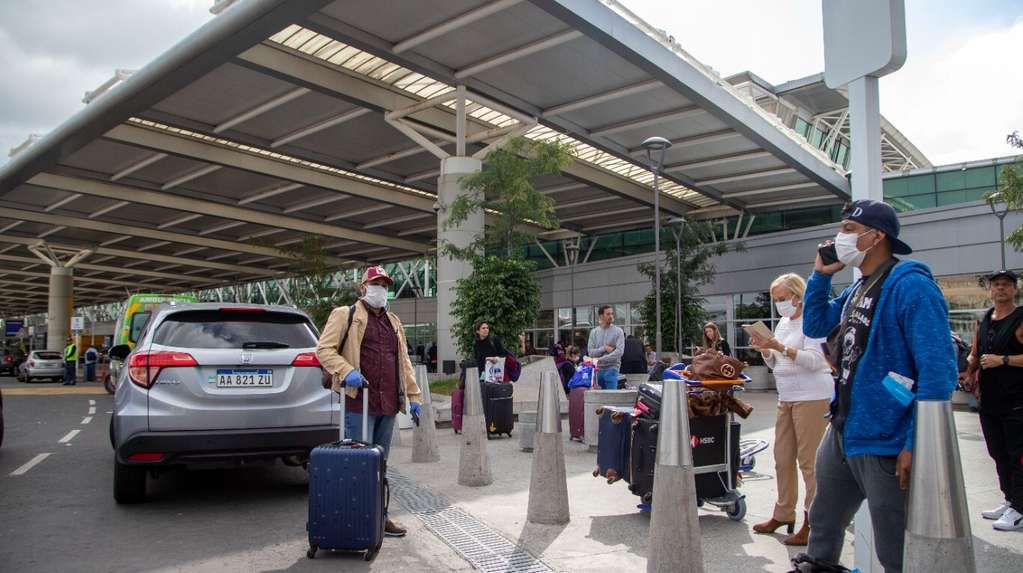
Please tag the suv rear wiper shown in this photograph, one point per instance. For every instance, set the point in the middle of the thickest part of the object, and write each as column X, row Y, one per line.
column 269, row 344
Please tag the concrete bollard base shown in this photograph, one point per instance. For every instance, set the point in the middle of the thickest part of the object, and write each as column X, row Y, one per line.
column 674, row 524
column 424, row 438
column 473, row 462
column 928, row 554
column 548, row 484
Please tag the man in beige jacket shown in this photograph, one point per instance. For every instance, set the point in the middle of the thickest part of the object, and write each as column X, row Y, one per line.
column 369, row 352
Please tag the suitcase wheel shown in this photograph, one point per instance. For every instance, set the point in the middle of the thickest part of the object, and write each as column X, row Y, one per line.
column 369, row 556
column 312, row 552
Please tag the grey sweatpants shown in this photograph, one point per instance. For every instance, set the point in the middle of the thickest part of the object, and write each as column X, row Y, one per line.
column 842, row 485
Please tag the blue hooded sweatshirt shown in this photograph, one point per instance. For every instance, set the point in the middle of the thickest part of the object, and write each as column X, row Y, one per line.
column 909, row 335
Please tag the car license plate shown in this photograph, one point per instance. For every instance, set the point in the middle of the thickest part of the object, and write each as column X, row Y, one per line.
column 245, row 378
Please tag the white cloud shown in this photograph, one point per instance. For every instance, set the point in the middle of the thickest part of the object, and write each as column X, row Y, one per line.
column 956, row 98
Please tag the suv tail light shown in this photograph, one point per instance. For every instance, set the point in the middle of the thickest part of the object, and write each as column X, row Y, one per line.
column 144, row 367
column 306, row 359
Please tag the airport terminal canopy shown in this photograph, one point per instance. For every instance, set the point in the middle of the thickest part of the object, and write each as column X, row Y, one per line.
column 281, row 119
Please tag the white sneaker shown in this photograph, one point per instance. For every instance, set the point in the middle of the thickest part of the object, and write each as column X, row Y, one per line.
column 1011, row 520
column 996, row 512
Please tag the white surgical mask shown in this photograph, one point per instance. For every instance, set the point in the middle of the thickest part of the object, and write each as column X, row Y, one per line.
column 376, row 296
column 845, row 247
column 785, row 308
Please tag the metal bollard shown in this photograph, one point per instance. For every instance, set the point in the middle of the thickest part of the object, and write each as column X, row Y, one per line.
column 674, row 524
column 473, row 462
column 548, row 484
column 938, row 536
column 424, row 436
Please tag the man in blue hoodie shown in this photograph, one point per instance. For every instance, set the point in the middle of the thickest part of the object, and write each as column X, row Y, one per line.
column 889, row 338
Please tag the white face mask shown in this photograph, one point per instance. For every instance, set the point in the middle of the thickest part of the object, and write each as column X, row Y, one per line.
column 845, row 248
column 785, row 308
column 376, row 296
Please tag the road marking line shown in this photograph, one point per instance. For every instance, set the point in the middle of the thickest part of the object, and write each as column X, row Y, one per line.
column 92, row 411
column 70, row 436
column 86, row 419
column 92, row 402
column 31, row 464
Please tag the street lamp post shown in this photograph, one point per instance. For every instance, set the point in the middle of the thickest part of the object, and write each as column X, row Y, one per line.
column 678, row 281
column 994, row 201
column 657, row 145
column 572, row 250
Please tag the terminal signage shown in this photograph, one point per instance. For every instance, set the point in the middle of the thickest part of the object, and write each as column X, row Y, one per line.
column 11, row 327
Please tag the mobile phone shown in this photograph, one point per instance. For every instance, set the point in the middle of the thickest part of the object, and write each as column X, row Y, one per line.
column 829, row 255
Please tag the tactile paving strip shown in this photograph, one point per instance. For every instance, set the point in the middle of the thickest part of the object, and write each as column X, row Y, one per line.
column 477, row 543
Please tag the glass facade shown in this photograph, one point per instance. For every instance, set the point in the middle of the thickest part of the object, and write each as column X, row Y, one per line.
column 545, row 333
column 944, row 188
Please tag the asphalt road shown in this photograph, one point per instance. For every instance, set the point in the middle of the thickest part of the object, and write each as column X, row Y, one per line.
column 59, row 514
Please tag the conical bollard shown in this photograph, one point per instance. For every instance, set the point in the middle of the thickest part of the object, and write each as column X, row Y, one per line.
column 938, row 536
column 473, row 462
column 548, row 484
column 674, row 524
column 424, row 436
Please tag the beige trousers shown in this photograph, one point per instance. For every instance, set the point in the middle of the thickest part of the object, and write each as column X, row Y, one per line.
column 797, row 434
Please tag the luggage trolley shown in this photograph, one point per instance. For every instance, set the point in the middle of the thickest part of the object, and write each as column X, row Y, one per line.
column 716, row 458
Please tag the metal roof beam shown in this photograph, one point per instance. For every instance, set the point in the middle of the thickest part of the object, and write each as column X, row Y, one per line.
column 132, row 231
column 719, row 160
column 260, row 109
column 136, row 166
column 602, row 98
column 319, row 126
column 624, row 187
column 198, row 150
column 517, row 53
column 703, row 138
column 108, row 209
column 318, row 202
column 771, row 190
column 746, row 176
column 221, row 227
column 91, row 267
column 406, row 218
column 453, row 24
column 188, row 204
column 652, row 119
column 179, row 220
column 612, row 214
column 273, row 192
column 62, row 202
column 190, row 176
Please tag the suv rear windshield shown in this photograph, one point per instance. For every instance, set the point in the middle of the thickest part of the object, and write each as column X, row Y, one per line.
column 232, row 329
column 48, row 355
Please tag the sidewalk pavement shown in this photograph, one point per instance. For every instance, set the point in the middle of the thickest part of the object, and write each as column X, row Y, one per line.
column 608, row 533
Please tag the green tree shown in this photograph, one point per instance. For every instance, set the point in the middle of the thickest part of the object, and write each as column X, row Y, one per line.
column 1011, row 189
column 697, row 252
column 504, row 187
column 315, row 287
column 501, row 291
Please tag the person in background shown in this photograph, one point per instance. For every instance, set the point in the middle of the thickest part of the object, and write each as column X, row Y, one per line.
column 606, row 344
column 567, row 365
column 805, row 387
column 998, row 356
column 70, row 360
column 91, row 357
column 633, row 359
column 526, row 347
column 486, row 345
column 890, row 340
column 651, row 356
column 431, row 353
column 712, row 339
column 374, row 359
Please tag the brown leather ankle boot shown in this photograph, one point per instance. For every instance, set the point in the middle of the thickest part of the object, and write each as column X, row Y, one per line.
column 772, row 524
column 802, row 537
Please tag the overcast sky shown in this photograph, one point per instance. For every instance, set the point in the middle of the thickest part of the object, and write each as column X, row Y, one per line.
column 956, row 98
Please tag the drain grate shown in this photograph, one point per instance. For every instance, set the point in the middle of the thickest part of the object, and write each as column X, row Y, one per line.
column 477, row 543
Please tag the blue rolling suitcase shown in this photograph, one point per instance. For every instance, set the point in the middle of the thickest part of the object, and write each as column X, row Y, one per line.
column 348, row 494
column 614, row 441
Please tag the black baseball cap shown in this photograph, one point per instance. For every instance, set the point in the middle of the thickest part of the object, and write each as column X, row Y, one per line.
column 1003, row 274
column 878, row 215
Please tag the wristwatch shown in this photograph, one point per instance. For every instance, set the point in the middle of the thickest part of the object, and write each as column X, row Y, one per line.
column 1005, row 360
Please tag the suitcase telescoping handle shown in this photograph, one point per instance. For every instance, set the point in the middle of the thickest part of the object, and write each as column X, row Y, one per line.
column 365, row 415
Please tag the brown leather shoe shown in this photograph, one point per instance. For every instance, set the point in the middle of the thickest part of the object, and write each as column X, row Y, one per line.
column 772, row 524
column 392, row 529
column 802, row 537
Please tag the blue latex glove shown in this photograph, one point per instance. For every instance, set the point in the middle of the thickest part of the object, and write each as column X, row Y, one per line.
column 355, row 379
column 415, row 408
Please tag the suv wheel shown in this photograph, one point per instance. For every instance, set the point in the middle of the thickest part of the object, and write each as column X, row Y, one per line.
column 129, row 483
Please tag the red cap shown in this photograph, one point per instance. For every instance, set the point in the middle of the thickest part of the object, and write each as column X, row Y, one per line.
column 376, row 273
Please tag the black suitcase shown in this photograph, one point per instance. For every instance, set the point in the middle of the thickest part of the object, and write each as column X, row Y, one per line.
column 497, row 408
column 716, row 484
column 648, row 401
column 348, row 494
column 643, row 458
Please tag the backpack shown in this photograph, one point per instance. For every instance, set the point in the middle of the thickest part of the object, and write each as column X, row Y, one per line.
column 962, row 352
column 512, row 368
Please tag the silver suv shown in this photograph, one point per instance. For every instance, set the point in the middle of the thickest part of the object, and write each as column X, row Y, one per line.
column 209, row 383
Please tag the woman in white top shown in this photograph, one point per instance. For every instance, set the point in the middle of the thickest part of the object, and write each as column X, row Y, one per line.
column 805, row 388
